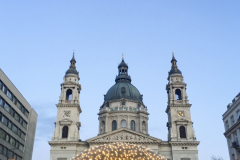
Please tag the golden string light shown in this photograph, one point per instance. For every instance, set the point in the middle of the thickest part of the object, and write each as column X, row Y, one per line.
column 118, row 151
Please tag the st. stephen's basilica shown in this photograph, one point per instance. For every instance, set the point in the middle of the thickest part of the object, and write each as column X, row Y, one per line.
column 123, row 117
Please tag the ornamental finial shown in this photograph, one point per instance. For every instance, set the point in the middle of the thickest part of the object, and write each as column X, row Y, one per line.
column 123, row 56
column 172, row 53
column 73, row 53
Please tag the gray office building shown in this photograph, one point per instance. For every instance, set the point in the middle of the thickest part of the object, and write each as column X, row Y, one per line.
column 18, row 122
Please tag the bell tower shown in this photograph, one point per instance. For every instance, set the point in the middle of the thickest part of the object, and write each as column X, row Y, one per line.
column 67, row 124
column 180, row 125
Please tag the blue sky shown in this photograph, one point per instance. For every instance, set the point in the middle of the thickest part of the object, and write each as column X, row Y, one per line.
column 37, row 39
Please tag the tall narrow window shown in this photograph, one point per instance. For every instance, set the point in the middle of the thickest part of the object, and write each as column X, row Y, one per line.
column 114, row 125
column 227, row 125
column 232, row 119
column 182, row 132
column 65, row 132
column 133, row 125
column 69, row 95
column 123, row 123
column 178, row 95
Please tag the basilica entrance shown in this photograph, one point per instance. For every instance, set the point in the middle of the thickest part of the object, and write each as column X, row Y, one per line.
column 118, row 151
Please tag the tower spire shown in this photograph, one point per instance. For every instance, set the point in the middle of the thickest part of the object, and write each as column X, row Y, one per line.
column 73, row 61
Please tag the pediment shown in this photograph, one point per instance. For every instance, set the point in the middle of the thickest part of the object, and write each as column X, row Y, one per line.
column 123, row 135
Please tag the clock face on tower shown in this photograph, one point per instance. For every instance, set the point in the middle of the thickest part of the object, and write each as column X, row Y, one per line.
column 66, row 113
column 180, row 113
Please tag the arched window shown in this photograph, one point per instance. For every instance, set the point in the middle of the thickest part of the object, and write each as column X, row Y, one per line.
column 133, row 125
column 114, row 125
column 178, row 95
column 69, row 95
column 123, row 123
column 182, row 132
column 65, row 132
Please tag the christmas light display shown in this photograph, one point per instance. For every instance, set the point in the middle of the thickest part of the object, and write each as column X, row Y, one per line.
column 118, row 151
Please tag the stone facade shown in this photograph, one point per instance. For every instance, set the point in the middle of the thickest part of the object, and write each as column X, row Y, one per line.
column 231, row 120
column 123, row 117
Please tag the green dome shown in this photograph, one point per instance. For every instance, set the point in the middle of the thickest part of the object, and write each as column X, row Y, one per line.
column 72, row 71
column 123, row 89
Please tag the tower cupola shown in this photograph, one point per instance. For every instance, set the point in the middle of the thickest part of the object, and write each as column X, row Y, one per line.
column 72, row 67
column 174, row 68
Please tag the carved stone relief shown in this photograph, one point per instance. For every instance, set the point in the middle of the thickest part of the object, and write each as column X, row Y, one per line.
column 123, row 137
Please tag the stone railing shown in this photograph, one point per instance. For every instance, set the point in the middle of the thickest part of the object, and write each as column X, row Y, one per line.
column 117, row 109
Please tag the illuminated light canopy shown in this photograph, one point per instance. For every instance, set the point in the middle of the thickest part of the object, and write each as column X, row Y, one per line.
column 118, row 151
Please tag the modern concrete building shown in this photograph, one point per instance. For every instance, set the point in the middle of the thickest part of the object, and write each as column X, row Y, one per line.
column 18, row 122
column 231, row 120
column 123, row 117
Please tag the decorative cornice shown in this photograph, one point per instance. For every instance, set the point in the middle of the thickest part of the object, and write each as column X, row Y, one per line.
column 177, row 105
column 233, row 128
column 67, row 143
column 70, row 105
column 186, row 143
column 160, row 143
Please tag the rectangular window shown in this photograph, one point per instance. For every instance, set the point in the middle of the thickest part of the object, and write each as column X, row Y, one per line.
column 23, row 109
column 4, row 120
column 20, row 120
column 232, row 119
column 5, row 151
column 12, row 112
column 1, row 147
column 2, row 133
column 10, row 124
column 25, row 124
column 7, row 138
column 0, row 84
column 238, row 115
column 12, row 141
column 10, row 154
column 18, row 105
column 19, row 132
column 16, row 116
column 14, row 128
column 4, row 89
column 9, row 94
column 14, row 99
column 7, row 107
column 1, row 101
column 23, row 135
column 17, row 144
column 227, row 125
column 26, row 113
column 21, row 147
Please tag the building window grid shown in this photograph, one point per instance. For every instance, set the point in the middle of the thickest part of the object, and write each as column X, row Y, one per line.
column 13, row 99
column 13, row 113
column 12, row 126
column 7, row 138
column 8, row 153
